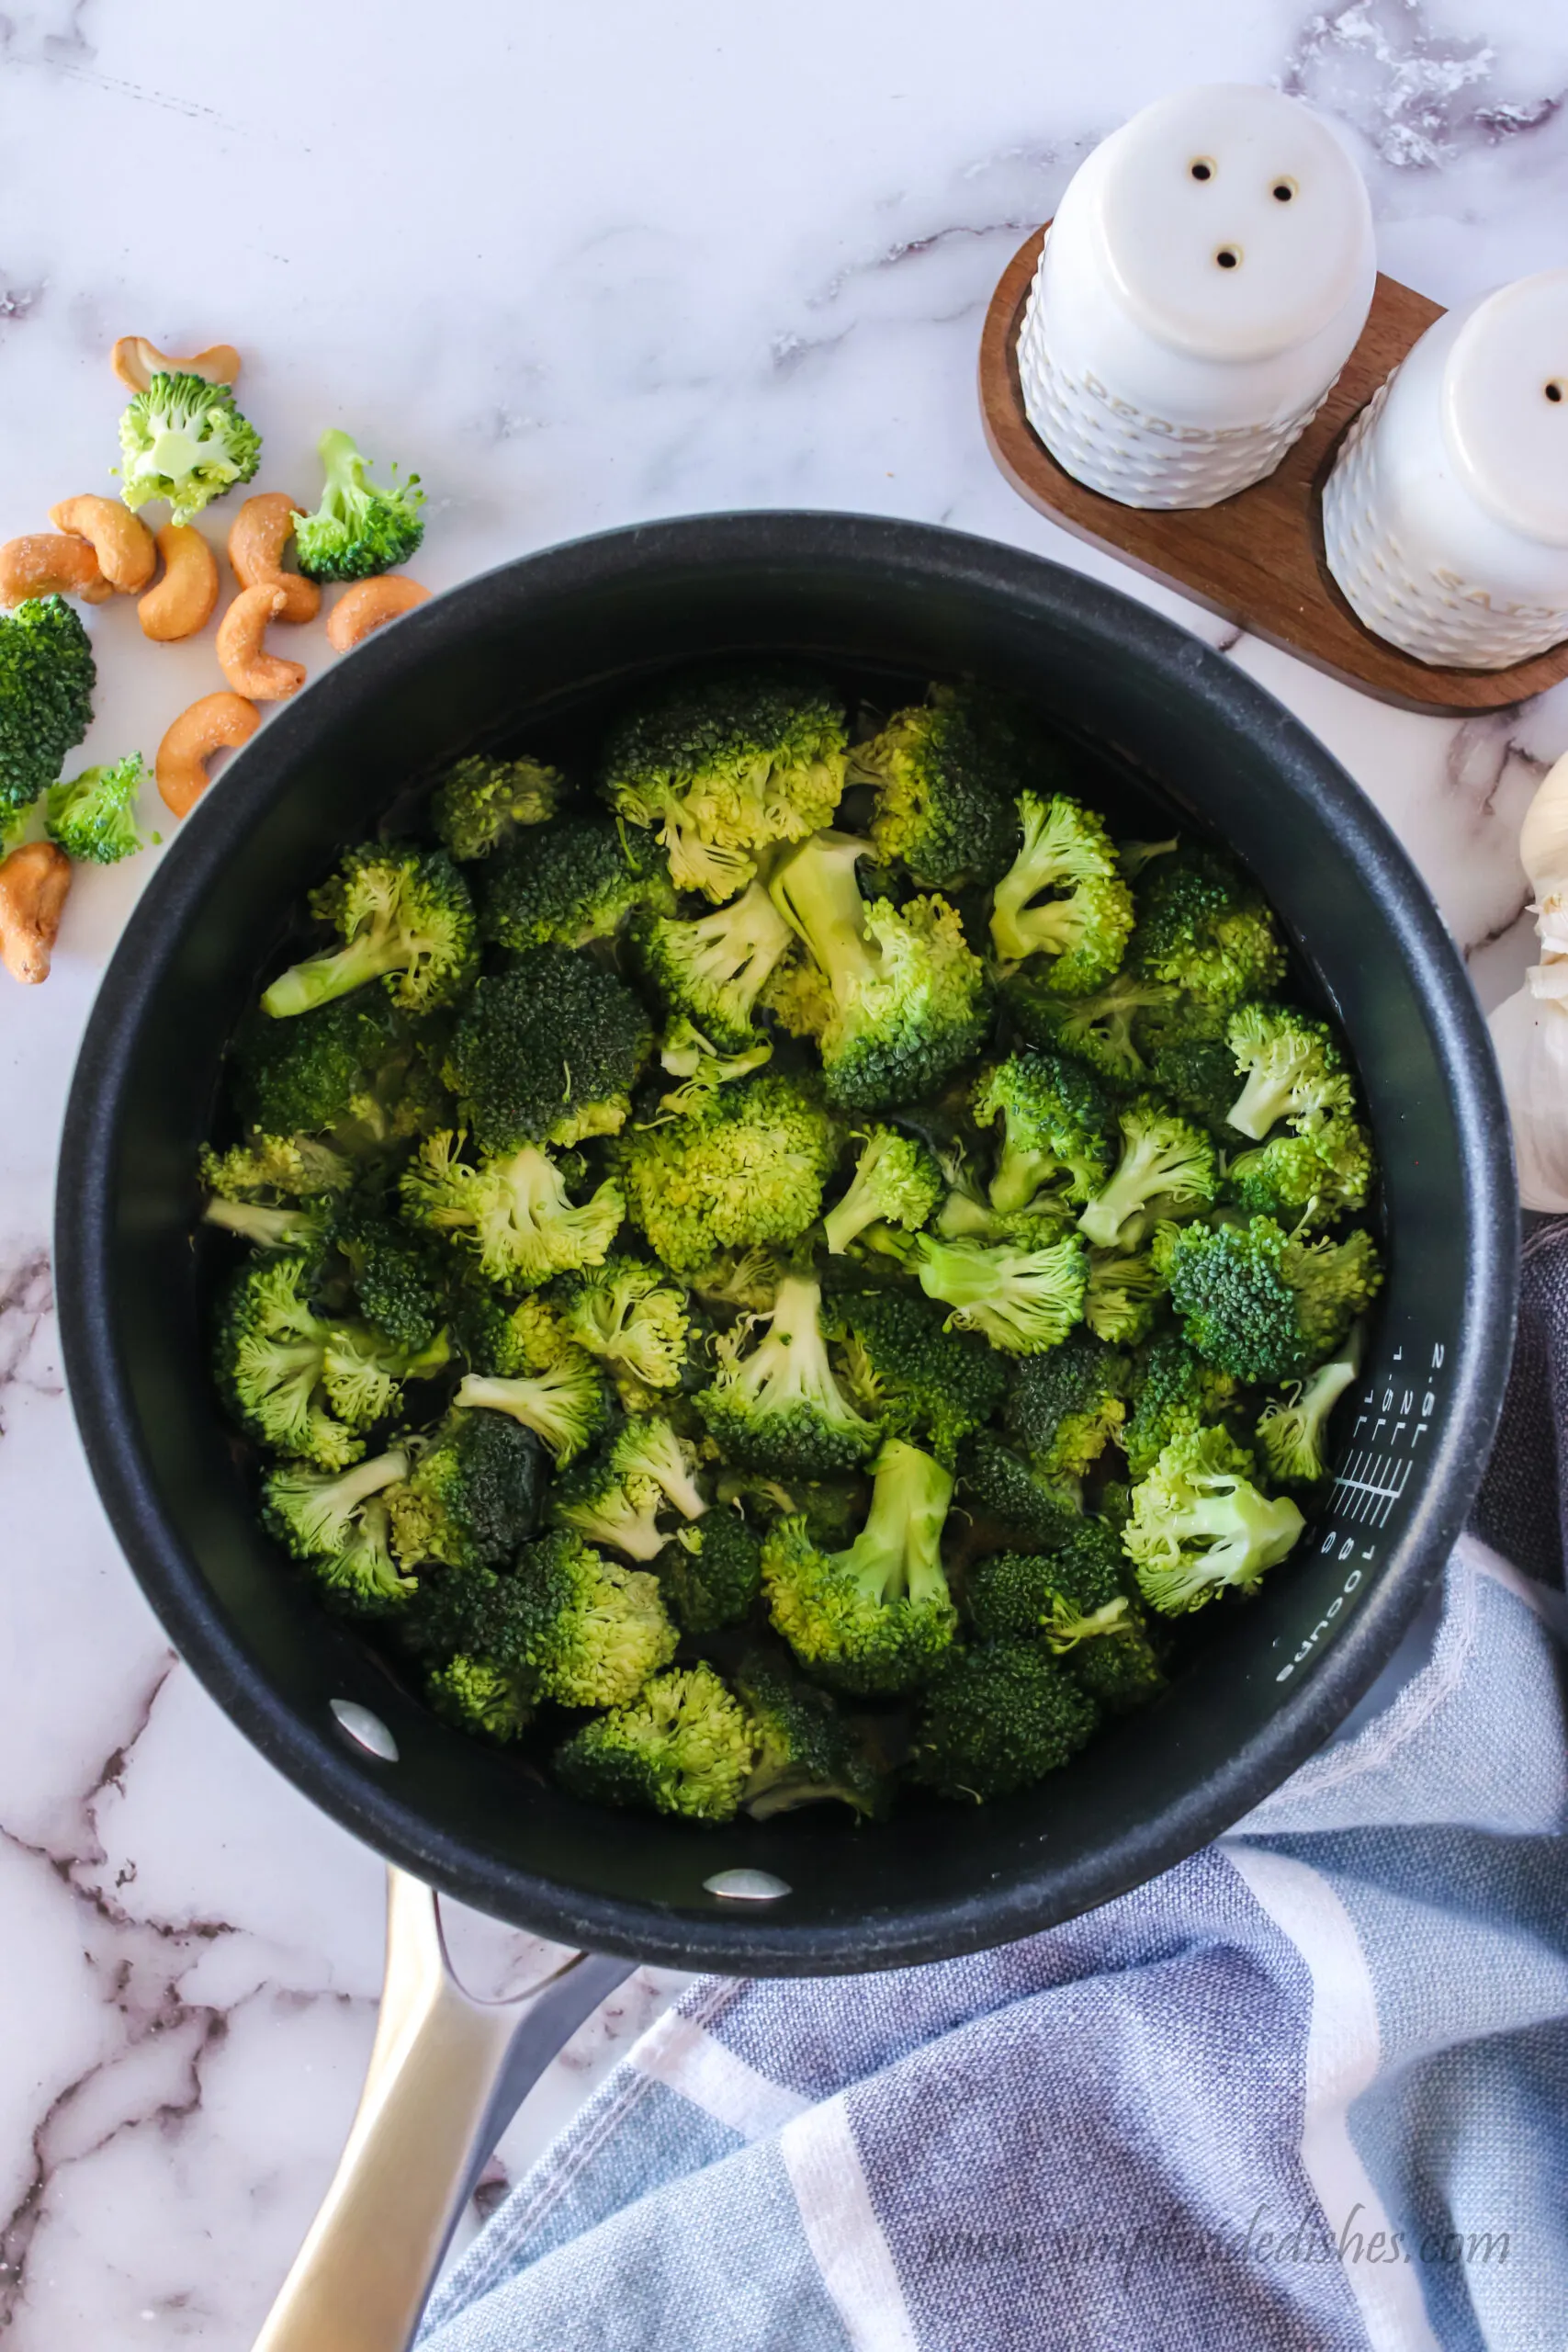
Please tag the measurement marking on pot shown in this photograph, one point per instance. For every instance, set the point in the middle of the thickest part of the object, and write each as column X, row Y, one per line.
column 1373, row 1482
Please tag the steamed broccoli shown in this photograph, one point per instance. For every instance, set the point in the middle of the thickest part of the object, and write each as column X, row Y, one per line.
column 403, row 915
column 1199, row 1524
column 911, row 1375
column 1262, row 1304
column 779, row 1407
column 1166, row 1168
column 1174, row 1392
column 1082, row 928
column 1203, row 927
column 336, row 1522
column 47, row 677
column 1066, row 1407
column 479, row 1696
column 352, row 1073
column 504, row 1339
column 713, row 970
column 744, row 1280
column 512, row 1212
column 592, row 1500
column 711, row 1571
column 299, row 1167
column 1303, row 1179
column 997, row 1718
column 1078, row 1601
column 185, row 439
column 1098, row 1029
column 806, row 1754
column 878, row 1617
column 646, row 1448
column 702, row 1066
column 482, row 802
column 571, row 881
column 747, row 1169
column 93, row 818
column 944, row 786
column 567, row 1405
column 1291, row 1428
column 684, row 1745
column 396, row 1283
column 271, row 1360
column 1022, row 1298
column 547, row 1052
column 1291, row 1066
column 473, row 1494
column 359, row 528
column 1024, row 1506
column 363, row 1370
column 631, row 1317
column 897, row 1182
column 1056, row 1134
column 1125, row 1288
column 908, row 1000
column 567, row 1624
column 1198, row 1075
column 305, row 1226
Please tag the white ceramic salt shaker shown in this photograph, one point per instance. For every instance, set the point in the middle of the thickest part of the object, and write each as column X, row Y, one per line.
column 1203, row 282
column 1445, row 520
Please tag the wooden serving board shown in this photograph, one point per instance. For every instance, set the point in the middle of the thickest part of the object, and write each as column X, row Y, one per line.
column 1256, row 559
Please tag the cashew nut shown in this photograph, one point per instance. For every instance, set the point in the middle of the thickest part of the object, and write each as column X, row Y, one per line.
column 263, row 528
column 120, row 539
column 42, row 566
column 242, row 652
column 216, row 723
column 184, row 599
column 136, row 361
column 370, row 605
column 33, row 883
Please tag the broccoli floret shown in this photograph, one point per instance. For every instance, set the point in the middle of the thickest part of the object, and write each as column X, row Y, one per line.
column 503, row 1340
column 1167, row 1168
column 297, row 1166
column 1199, row 1076
column 615, row 1494
column 1264, row 1306
column 363, row 1370
column 723, row 767
column 404, row 916
column 473, row 1494
column 1025, row 1508
column 1083, row 926
column 878, row 1617
column 1065, row 1406
column 93, row 818
column 1202, row 928
column 779, row 1408
column 512, row 1212
column 909, row 1001
column 711, row 1571
column 806, row 1754
column 547, row 1052
column 646, row 1448
column 47, row 678
column 303, row 1225
column 684, row 1745
column 571, row 881
column 1022, row 1298
column 897, row 1182
column 747, row 1279
column 185, row 439
column 337, row 1523
column 687, row 1055
column 1056, row 1132
column 997, row 1718
column 1291, row 1430
column 353, row 1072
column 712, row 971
column 1307, row 1178
column 1174, row 1392
column 1199, row 1524
column 482, row 802
column 632, row 1317
column 359, row 528
column 568, row 1624
column 397, row 1285
column 1123, row 1295
column 911, row 1375
column 944, row 781
column 1082, row 1587
column 479, row 1696
column 568, row 1406
column 745, row 1170
column 271, row 1361
column 1099, row 1030
column 1291, row 1066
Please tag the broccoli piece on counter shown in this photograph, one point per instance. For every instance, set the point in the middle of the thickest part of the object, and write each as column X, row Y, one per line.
column 404, row 916
column 547, row 1052
column 711, row 1571
column 1264, row 1306
column 512, row 1212
column 359, row 528
column 745, row 1170
column 473, row 1494
column 711, row 971
column 879, row 1616
column 571, row 881
column 912, row 1376
column 897, row 1181
column 185, row 439
column 997, row 1718
column 1082, row 928
column 1056, row 1131
column 47, row 677
column 1066, row 1406
column 778, row 1408
column 1202, row 928
column 806, row 1754
column 684, row 1745
column 1167, row 1168
column 1200, row 1524
column 944, row 774
column 481, row 803
column 93, row 818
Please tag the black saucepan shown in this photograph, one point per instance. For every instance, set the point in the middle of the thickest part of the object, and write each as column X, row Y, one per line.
column 1171, row 733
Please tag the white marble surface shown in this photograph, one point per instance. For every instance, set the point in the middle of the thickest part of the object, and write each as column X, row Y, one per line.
column 580, row 266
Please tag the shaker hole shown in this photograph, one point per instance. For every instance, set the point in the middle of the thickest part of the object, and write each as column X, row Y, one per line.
column 1227, row 257
column 1554, row 389
column 1202, row 168
column 1283, row 190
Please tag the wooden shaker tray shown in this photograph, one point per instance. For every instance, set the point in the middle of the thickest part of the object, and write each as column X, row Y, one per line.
column 1257, row 559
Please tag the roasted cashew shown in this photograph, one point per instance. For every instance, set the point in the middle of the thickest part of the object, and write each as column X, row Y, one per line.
column 370, row 605
column 136, row 361
column 42, row 566
column 33, row 883
column 184, row 599
column 216, row 723
column 263, row 528
column 242, row 651
column 120, row 539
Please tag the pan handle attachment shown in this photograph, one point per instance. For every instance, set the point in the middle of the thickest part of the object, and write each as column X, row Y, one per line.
column 447, row 2074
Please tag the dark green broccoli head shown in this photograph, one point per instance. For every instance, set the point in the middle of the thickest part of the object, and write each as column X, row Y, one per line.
column 684, row 1745
column 1199, row 1524
column 712, row 971
column 404, row 916
column 1066, row 1407
column 570, row 1624
column 1197, row 1074
column 185, row 439
column 1099, row 1030
column 1063, row 898
column 878, row 1617
column 898, row 1181
column 93, row 818
column 473, row 1494
column 777, row 1406
column 396, row 1276
column 1261, row 1304
column 1022, row 1297
column 1022, row 1506
column 946, row 773
column 1083, row 1588
column 746, row 1169
column 360, row 527
column 547, row 1052
column 47, row 677
column 726, row 764
column 568, row 882
column 996, row 1719
column 482, row 802
column 271, row 1357
column 1056, row 1131
column 353, row 1072
column 1167, row 1168
column 712, row 1571
column 1174, row 1392
column 806, row 1754
column 337, row 1522
column 1292, row 1067
column 511, row 1212
column 912, row 1376
column 479, row 1696
column 1203, row 927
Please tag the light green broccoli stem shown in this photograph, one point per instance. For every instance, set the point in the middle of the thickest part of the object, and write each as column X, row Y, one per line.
column 1291, row 1431
column 319, row 979
column 896, row 1181
column 816, row 892
column 898, row 1554
column 1065, row 1627
column 266, row 1229
column 561, row 1406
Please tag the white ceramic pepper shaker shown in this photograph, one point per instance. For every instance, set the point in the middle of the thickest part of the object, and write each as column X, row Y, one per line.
column 1445, row 520
column 1203, row 282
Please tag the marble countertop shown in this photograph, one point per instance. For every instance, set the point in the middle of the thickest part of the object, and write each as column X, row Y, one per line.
column 579, row 266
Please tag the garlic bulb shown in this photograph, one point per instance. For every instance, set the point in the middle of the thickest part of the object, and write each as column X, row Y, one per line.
column 1530, row 1031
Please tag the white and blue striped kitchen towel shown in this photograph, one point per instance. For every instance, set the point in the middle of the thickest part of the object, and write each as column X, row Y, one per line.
column 1307, row 2092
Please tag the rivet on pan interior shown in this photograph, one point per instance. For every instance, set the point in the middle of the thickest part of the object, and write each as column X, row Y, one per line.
column 366, row 1730
column 747, row 1886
